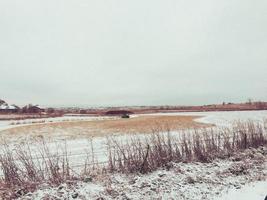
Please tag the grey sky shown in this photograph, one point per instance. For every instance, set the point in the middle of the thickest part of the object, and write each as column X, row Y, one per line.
column 132, row 52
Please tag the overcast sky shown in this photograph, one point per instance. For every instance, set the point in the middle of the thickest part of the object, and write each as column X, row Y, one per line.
column 132, row 52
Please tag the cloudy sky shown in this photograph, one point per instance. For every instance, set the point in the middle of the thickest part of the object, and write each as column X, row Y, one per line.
column 132, row 52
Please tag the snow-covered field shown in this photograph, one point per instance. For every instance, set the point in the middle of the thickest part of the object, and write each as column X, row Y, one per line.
column 220, row 180
column 7, row 124
column 217, row 118
column 224, row 118
column 78, row 146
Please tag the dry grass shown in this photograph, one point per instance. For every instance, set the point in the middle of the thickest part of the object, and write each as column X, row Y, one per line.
column 17, row 116
column 142, row 124
column 159, row 150
column 26, row 116
column 22, row 170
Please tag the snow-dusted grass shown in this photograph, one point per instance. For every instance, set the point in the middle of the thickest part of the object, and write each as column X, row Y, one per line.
column 77, row 155
column 158, row 149
column 8, row 124
column 184, row 181
column 21, row 167
column 96, row 128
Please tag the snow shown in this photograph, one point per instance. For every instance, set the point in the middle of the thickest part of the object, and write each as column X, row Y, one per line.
column 4, row 125
column 78, row 147
column 184, row 181
column 90, row 190
column 172, row 185
column 253, row 191
column 7, row 124
column 224, row 118
column 219, row 118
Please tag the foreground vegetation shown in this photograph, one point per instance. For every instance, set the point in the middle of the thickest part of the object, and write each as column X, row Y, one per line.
column 139, row 154
column 157, row 150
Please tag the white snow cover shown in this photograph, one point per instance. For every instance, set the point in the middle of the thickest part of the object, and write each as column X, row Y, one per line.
column 219, row 180
column 253, row 191
column 7, row 124
column 224, row 118
column 219, row 118
column 88, row 190
column 78, row 146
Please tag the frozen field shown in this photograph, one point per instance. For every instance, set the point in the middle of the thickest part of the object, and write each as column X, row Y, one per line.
column 7, row 124
column 77, row 148
column 217, row 118
column 225, row 118
column 219, row 180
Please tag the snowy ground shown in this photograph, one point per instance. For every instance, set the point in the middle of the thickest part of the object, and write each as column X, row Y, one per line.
column 217, row 118
column 224, row 118
column 172, row 180
column 256, row 190
column 78, row 147
column 220, row 180
column 7, row 124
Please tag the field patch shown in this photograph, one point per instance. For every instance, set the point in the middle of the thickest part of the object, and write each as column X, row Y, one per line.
column 140, row 124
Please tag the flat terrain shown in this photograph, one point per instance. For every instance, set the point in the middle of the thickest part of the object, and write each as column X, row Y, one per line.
column 140, row 124
column 23, row 116
column 182, row 181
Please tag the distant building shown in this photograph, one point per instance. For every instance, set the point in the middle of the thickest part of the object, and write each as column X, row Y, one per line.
column 32, row 109
column 5, row 108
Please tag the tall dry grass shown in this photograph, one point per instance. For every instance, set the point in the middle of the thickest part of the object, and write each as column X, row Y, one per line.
column 22, row 168
column 25, row 167
column 204, row 145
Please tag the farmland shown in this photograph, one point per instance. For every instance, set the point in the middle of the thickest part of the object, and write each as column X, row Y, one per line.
column 83, row 128
column 89, row 136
